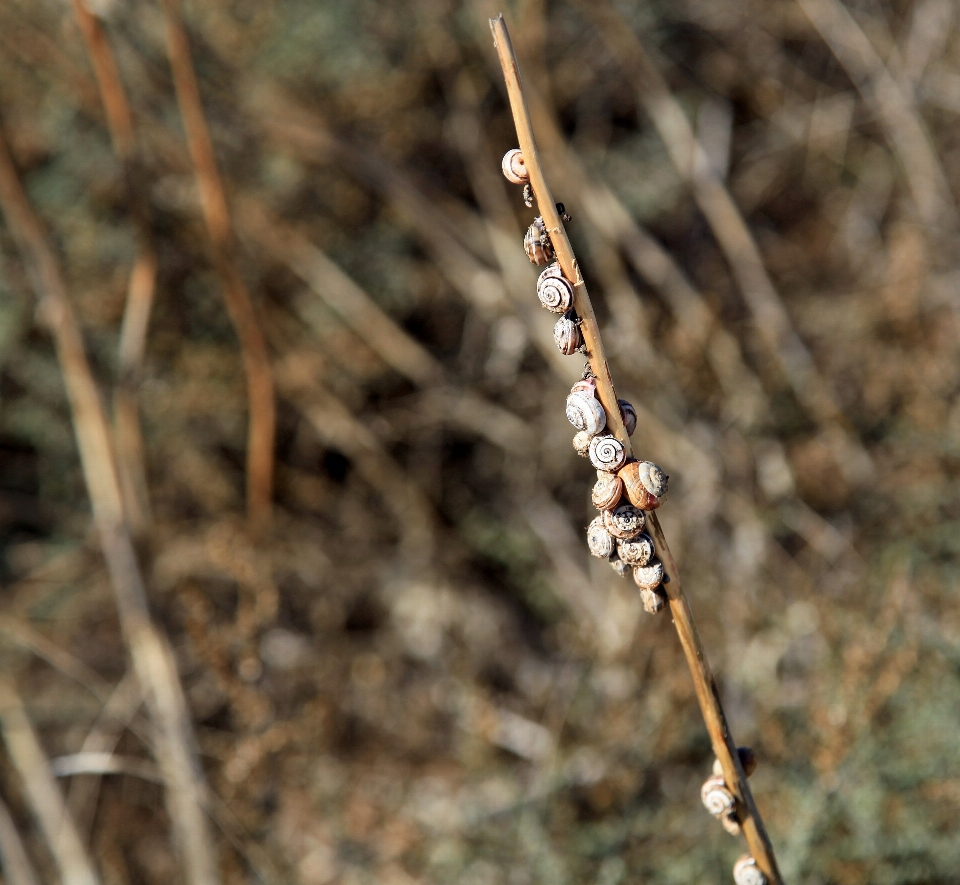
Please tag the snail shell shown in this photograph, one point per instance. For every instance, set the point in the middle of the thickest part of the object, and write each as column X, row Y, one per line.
column 607, row 491
column 555, row 292
column 748, row 759
column 645, row 484
column 652, row 600
column 581, row 442
column 607, row 452
column 629, row 415
column 730, row 823
column 746, row 872
column 567, row 335
column 599, row 540
column 587, row 386
column 585, row 413
column 717, row 799
column 648, row 576
column 624, row 522
column 537, row 244
column 619, row 566
column 514, row 169
column 638, row 551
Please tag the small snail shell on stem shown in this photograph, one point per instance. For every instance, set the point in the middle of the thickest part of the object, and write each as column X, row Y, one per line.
column 607, row 491
column 746, row 872
column 607, row 453
column 581, row 442
column 653, row 600
column 585, row 413
column 644, row 483
column 536, row 243
column 599, row 540
column 629, row 415
column 716, row 798
column 555, row 292
column 624, row 522
column 748, row 759
column 648, row 576
column 587, row 386
column 514, row 169
column 638, row 551
column 567, row 335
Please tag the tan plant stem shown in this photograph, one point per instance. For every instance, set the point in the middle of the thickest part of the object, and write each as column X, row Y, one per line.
column 708, row 695
column 216, row 214
column 17, row 869
column 149, row 650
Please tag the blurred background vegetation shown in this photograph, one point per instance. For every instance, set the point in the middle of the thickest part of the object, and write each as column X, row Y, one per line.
column 417, row 674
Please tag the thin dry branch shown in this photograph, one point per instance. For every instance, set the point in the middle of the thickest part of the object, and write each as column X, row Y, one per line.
column 149, row 649
column 704, row 683
column 216, row 214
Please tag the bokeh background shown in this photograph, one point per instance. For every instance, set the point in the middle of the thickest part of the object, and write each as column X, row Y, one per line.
column 417, row 674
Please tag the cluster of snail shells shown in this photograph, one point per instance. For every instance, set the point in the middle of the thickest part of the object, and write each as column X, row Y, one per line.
column 717, row 797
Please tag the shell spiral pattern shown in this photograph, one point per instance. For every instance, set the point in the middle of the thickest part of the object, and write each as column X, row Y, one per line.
column 599, row 540
column 717, row 799
column 746, row 872
column 648, row 576
column 585, row 413
column 555, row 293
column 629, row 415
column 624, row 522
column 607, row 453
column 607, row 491
column 567, row 335
column 514, row 169
column 536, row 243
column 638, row 551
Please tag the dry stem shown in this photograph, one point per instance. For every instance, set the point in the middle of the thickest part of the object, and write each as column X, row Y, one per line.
column 707, row 693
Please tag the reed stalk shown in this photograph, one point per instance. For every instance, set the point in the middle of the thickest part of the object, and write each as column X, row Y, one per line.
column 708, row 695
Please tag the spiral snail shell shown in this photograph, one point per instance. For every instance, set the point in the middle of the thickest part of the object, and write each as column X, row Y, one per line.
column 581, row 442
column 637, row 551
column 567, row 335
column 607, row 491
column 607, row 453
column 536, row 243
column 648, row 576
column 599, row 540
column 629, row 415
column 514, row 169
column 746, row 872
column 653, row 600
column 645, row 484
column 624, row 522
column 554, row 291
column 717, row 799
column 585, row 413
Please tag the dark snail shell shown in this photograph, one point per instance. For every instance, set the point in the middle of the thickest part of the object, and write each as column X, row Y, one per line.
column 629, row 415
column 746, row 872
column 607, row 491
column 514, row 169
column 599, row 540
column 554, row 291
column 624, row 521
column 567, row 335
column 607, row 453
column 748, row 759
column 537, row 244
column 636, row 551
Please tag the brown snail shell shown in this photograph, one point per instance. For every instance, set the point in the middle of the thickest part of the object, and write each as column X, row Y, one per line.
column 653, row 600
column 748, row 760
column 581, row 442
column 554, row 291
column 567, row 335
column 514, row 169
column 746, row 872
column 607, row 491
column 607, row 453
column 641, row 480
column 585, row 413
column 716, row 798
column 637, row 551
column 648, row 576
column 624, row 521
column 537, row 244
column 629, row 415
column 599, row 540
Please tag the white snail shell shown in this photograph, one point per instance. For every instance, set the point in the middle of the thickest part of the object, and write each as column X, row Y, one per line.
column 648, row 576
column 581, row 442
column 730, row 823
column 629, row 415
column 638, row 551
column 555, row 292
column 599, row 540
column 514, row 169
column 607, row 491
column 652, row 600
column 717, row 799
column 585, row 413
column 607, row 453
column 536, row 244
column 746, row 872
column 567, row 335
column 587, row 386
column 640, row 480
column 653, row 478
column 624, row 522
column 619, row 566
